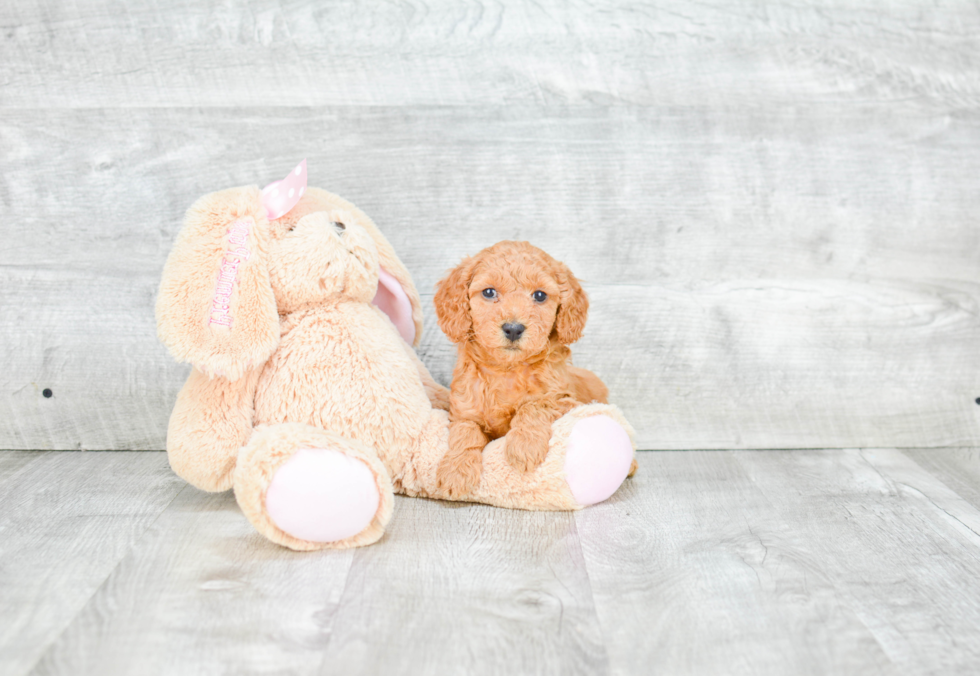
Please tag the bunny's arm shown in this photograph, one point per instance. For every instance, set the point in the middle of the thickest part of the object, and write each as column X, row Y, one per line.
column 211, row 420
column 438, row 394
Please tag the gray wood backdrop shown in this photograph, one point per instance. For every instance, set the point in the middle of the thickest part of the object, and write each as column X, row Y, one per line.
column 773, row 206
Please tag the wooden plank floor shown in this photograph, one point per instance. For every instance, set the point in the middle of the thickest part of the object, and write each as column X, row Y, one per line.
column 741, row 562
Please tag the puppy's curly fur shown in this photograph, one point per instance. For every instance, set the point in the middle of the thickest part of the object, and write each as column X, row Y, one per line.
column 513, row 310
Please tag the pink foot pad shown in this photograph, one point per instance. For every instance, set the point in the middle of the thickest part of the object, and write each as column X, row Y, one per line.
column 322, row 495
column 598, row 459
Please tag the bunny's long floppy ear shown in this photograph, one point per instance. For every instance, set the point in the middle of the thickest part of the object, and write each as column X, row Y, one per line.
column 216, row 308
column 397, row 296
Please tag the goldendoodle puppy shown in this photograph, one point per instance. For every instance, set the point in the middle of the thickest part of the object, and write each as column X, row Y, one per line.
column 513, row 310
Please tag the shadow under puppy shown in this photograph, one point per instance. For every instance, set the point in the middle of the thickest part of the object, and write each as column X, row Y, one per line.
column 513, row 310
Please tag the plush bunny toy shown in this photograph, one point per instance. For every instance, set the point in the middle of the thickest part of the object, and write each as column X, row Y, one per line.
column 306, row 396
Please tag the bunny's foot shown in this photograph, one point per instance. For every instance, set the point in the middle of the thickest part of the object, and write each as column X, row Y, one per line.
column 305, row 488
column 590, row 454
column 598, row 458
column 322, row 495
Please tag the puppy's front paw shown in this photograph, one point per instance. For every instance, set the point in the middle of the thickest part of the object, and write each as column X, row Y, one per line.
column 527, row 447
column 459, row 473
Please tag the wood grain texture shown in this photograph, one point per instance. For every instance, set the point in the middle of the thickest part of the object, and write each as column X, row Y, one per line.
column 66, row 520
column 919, row 613
column 790, row 278
column 808, row 562
column 471, row 589
column 771, row 562
column 958, row 468
column 450, row 588
column 203, row 593
column 673, row 53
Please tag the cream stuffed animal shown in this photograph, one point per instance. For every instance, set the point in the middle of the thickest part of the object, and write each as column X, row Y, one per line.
column 306, row 396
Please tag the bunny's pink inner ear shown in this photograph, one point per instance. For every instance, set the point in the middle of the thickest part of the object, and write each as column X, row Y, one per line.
column 393, row 301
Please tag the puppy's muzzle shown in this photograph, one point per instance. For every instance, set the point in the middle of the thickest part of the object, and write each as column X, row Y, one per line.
column 513, row 331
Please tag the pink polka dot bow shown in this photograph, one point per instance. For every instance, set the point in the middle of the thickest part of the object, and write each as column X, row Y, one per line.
column 280, row 196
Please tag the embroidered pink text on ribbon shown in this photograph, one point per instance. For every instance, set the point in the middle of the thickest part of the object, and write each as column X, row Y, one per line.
column 236, row 253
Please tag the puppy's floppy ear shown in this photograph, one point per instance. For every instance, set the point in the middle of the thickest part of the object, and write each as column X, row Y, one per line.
column 452, row 301
column 573, row 308
column 216, row 308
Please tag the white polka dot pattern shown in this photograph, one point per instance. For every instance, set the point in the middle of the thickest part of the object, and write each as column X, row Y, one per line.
column 281, row 196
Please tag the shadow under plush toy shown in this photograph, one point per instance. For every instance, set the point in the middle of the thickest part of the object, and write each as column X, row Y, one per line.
column 306, row 396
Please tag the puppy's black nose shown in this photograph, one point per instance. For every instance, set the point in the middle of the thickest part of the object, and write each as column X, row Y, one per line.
column 513, row 331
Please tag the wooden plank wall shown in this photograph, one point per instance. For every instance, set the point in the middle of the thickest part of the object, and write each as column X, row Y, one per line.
column 773, row 206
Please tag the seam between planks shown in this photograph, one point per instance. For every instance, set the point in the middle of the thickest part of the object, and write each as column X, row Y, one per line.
column 588, row 577
column 115, row 567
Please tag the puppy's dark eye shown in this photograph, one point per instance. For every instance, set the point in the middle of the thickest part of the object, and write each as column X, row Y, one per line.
column 489, row 294
column 338, row 226
column 540, row 296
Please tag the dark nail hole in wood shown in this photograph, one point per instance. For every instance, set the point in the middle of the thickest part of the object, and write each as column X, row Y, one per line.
column 48, row 393
column 977, row 400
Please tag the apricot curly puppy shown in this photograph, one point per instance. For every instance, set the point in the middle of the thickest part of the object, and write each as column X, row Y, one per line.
column 513, row 310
